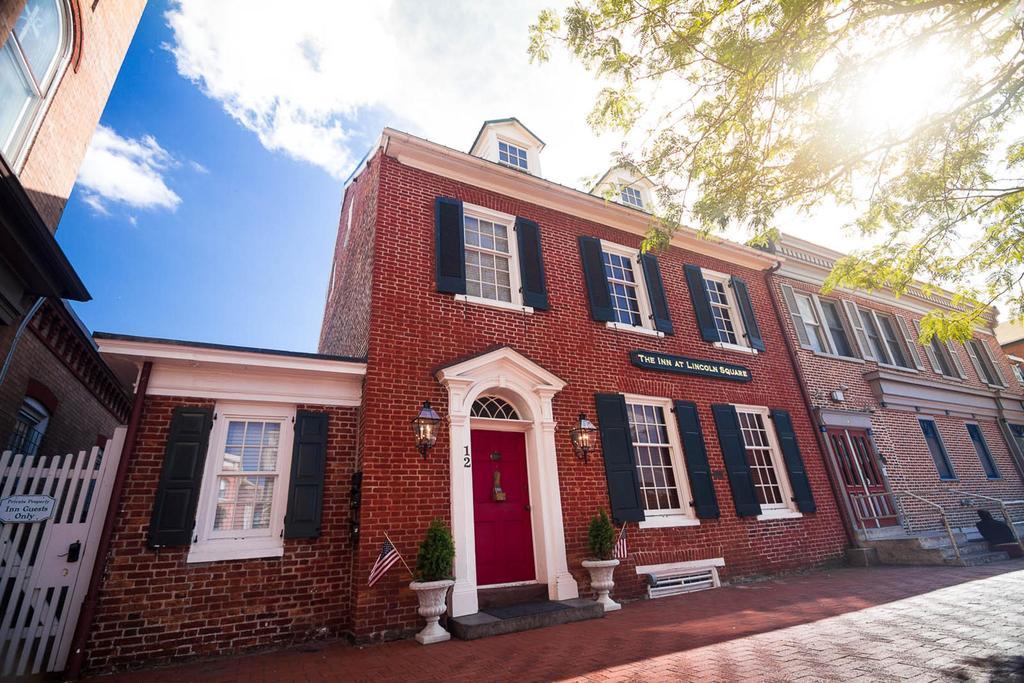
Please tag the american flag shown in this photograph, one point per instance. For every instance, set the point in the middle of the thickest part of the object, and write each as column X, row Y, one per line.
column 388, row 556
column 621, row 551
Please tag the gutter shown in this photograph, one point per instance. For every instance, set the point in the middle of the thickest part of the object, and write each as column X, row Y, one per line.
column 88, row 613
column 846, row 513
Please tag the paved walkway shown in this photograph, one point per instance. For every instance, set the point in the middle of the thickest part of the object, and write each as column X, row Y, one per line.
column 887, row 623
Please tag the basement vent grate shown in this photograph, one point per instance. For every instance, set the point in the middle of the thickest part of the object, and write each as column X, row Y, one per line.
column 668, row 582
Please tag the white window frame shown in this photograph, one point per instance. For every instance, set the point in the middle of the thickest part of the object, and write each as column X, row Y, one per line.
column 646, row 325
column 823, row 336
column 31, row 119
column 851, row 340
column 525, row 149
column 639, row 203
column 787, row 508
column 515, row 278
column 742, row 344
column 210, row 546
column 685, row 515
column 904, row 351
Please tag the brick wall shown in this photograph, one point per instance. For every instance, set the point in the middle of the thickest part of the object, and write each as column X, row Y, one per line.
column 346, row 325
column 414, row 329
column 54, row 156
column 153, row 606
column 898, row 435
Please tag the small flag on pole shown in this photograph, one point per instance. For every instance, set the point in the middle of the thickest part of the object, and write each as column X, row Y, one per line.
column 388, row 556
column 621, row 551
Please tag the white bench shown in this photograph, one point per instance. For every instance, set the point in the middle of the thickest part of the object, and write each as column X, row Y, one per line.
column 681, row 577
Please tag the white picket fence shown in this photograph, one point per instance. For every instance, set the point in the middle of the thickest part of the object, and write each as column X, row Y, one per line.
column 42, row 584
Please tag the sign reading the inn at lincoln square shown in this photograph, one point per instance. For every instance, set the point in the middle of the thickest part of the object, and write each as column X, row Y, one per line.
column 663, row 362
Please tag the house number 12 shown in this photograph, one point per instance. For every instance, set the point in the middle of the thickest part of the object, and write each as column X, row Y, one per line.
column 466, row 460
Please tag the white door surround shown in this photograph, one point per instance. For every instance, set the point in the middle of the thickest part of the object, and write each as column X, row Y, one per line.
column 513, row 377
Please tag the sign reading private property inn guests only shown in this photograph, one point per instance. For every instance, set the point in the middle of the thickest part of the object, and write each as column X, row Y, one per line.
column 25, row 509
column 652, row 360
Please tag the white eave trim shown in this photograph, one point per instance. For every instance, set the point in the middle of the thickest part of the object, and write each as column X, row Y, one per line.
column 450, row 163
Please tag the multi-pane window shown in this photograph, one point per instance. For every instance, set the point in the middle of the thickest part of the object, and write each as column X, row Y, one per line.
column 761, row 458
column 941, row 354
column 888, row 328
column 29, row 427
column 649, row 432
column 632, row 196
column 1017, row 372
column 937, row 449
column 488, row 259
column 984, row 454
column 247, row 475
column 30, row 59
column 512, row 155
column 622, row 284
column 874, row 337
column 837, row 330
column 812, row 327
column 722, row 310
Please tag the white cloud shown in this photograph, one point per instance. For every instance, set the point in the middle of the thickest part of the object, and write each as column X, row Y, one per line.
column 319, row 80
column 126, row 171
column 198, row 167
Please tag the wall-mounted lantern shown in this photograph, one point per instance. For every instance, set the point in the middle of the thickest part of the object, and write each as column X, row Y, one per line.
column 424, row 428
column 582, row 436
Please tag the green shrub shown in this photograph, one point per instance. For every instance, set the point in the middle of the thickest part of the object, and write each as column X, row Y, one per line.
column 601, row 536
column 434, row 560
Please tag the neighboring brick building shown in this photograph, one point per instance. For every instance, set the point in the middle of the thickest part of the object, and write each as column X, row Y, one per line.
column 940, row 421
column 56, row 395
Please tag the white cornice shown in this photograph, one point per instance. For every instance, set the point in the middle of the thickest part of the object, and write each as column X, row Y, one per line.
column 450, row 163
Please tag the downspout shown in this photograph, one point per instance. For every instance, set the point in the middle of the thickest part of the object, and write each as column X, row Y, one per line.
column 823, row 446
column 17, row 336
column 88, row 613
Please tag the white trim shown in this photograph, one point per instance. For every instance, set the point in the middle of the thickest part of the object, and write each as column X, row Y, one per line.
column 667, row 521
column 646, row 325
column 530, row 389
column 739, row 329
column 779, row 513
column 494, row 303
column 510, row 584
column 623, row 327
column 787, row 508
column 210, row 545
column 736, row 348
column 690, row 564
column 429, row 156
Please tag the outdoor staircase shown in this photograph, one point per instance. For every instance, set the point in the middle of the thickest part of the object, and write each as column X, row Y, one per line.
column 519, row 608
column 935, row 548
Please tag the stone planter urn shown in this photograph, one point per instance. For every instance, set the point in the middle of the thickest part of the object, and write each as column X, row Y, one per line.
column 433, row 603
column 602, row 581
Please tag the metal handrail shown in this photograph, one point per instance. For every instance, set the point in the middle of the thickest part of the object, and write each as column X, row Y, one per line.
column 942, row 512
column 1002, row 508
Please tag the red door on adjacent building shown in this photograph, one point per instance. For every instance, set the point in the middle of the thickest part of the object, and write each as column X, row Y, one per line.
column 862, row 478
column 501, row 508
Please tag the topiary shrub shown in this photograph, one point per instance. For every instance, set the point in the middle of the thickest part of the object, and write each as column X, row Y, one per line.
column 434, row 560
column 601, row 536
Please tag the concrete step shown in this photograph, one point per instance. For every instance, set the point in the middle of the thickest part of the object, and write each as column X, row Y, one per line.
column 511, row 595
column 978, row 559
column 522, row 617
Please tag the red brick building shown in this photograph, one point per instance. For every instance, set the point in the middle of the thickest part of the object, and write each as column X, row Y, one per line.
column 513, row 305
column 915, row 432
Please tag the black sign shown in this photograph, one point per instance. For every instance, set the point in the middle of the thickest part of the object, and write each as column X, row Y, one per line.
column 664, row 362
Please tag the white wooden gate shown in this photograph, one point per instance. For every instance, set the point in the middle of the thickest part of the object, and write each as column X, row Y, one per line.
column 42, row 582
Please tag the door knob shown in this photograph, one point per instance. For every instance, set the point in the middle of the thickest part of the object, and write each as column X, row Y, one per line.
column 527, row 507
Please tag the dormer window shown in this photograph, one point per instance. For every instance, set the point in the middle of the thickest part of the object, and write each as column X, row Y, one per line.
column 632, row 197
column 511, row 155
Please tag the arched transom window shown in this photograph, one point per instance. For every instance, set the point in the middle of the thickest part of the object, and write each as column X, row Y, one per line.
column 494, row 408
column 31, row 60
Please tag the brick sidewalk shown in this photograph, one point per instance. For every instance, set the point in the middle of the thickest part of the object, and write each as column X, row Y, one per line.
column 887, row 623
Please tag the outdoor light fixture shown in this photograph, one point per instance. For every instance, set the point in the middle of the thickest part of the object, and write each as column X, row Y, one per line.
column 582, row 437
column 424, row 428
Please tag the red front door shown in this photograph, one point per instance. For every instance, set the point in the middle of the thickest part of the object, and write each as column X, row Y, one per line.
column 501, row 508
column 862, row 478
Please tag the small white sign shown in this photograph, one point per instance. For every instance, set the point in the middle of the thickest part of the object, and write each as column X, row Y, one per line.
column 26, row 509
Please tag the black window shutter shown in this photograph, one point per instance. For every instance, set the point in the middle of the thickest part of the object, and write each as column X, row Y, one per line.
column 181, row 476
column 531, row 264
column 701, row 304
column 656, row 293
column 744, row 496
column 739, row 288
column 705, row 504
column 597, row 283
column 794, row 461
column 449, row 245
column 306, row 486
column 619, row 459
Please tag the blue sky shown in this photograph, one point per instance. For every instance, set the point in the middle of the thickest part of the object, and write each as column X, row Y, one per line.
column 207, row 206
